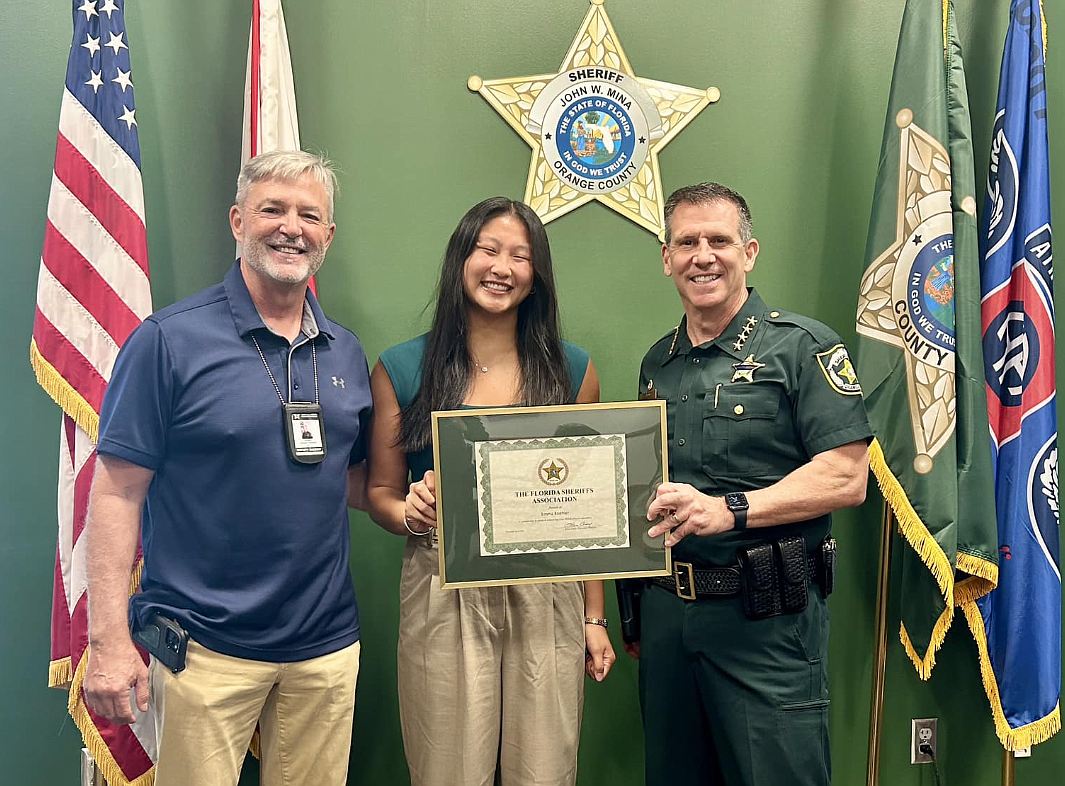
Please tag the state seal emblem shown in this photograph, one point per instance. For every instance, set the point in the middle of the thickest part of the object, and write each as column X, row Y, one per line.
column 924, row 290
column 596, row 126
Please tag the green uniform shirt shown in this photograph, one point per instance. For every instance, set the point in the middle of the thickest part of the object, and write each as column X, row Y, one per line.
column 744, row 410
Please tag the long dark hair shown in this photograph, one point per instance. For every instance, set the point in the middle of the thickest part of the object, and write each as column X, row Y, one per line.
column 446, row 366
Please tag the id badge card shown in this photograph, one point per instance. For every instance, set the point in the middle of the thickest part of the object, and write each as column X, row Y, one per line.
column 305, row 432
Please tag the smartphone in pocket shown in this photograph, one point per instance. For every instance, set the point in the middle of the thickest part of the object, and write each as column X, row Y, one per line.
column 164, row 639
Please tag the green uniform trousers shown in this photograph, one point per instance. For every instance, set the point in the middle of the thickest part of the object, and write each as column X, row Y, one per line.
column 728, row 700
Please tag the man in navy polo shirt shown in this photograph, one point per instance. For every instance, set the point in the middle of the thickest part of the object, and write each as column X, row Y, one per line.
column 204, row 451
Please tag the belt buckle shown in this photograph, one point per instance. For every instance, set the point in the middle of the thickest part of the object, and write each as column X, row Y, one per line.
column 679, row 569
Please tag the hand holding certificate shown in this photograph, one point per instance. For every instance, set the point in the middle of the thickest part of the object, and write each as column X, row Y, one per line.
column 545, row 493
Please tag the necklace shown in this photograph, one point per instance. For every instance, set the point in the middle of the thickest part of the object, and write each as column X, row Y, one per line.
column 483, row 368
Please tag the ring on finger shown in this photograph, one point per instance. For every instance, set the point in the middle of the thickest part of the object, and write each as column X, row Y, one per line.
column 676, row 521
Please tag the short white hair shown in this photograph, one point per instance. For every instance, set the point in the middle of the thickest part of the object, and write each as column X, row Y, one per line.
column 287, row 165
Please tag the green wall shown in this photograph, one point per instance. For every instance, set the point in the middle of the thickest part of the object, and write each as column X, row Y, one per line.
column 381, row 88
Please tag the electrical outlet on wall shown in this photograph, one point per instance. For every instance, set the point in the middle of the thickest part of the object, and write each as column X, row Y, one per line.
column 923, row 731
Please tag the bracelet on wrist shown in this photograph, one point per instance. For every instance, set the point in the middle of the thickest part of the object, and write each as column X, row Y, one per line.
column 595, row 621
column 415, row 532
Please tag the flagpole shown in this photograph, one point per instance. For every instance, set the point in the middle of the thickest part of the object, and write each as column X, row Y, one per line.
column 876, row 710
column 1007, row 768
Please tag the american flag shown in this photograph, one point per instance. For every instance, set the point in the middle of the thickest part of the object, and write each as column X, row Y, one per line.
column 92, row 291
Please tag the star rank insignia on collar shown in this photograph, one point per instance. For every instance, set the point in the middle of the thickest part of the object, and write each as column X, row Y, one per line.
column 745, row 369
column 745, row 334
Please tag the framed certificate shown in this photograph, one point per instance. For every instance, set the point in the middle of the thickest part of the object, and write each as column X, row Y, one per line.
column 531, row 494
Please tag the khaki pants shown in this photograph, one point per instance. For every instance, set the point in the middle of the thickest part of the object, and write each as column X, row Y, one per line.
column 488, row 677
column 205, row 716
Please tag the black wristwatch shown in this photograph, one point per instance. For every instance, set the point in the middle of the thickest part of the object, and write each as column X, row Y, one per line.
column 736, row 501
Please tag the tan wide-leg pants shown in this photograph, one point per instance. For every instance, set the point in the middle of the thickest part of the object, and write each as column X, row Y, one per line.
column 205, row 716
column 488, row 677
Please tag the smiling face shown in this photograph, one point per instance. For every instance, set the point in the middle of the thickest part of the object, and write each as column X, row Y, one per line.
column 708, row 259
column 285, row 229
column 498, row 274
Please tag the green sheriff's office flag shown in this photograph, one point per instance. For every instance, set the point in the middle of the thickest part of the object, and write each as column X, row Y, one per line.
column 920, row 356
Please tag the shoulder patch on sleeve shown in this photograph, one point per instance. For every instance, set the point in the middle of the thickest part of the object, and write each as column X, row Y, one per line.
column 836, row 365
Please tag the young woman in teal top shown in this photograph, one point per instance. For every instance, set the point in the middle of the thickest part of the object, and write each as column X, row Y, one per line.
column 490, row 679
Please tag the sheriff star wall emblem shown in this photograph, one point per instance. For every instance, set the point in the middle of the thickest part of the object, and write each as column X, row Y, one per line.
column 594, row 127
column 907, row 293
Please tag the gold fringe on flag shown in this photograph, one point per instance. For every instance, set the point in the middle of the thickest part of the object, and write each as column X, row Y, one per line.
column 59, row 673
column 1043, row 19
column 1023, row 736
column 63, row 394
column 90, row 735
column 914, row 530
column 930, row 552
column 135, row 578
column 983, row 573
column 99, row 751
column 924, row 664
column 970, row 589
column 983, row 569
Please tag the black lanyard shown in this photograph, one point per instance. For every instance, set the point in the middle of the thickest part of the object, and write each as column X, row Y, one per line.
column 303, row 424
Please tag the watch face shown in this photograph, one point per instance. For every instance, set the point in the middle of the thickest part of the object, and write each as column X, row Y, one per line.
column 736, row 500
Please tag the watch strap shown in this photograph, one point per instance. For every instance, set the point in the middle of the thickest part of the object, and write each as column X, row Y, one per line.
column 736, row 501
column 741, row 517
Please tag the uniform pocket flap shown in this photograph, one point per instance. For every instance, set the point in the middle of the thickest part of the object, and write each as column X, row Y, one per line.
column 745, row 401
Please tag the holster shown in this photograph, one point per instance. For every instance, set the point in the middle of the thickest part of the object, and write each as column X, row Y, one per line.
column 629, row 592
column 759, row 581
column 773, row 577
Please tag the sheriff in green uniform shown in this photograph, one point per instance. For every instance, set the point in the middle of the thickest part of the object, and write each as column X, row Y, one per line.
column 767, row 436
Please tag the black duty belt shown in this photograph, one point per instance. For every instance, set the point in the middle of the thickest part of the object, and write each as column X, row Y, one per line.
column 690, row 583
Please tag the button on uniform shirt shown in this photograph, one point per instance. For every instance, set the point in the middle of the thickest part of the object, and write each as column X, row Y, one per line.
column 744, row 410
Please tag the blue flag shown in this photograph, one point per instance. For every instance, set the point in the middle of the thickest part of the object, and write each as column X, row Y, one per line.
column 1021, row 619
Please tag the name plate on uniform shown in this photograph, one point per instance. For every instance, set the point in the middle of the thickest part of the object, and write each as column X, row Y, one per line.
column 530, row 494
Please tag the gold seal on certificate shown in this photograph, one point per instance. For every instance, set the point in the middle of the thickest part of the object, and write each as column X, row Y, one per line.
column 544, row 495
